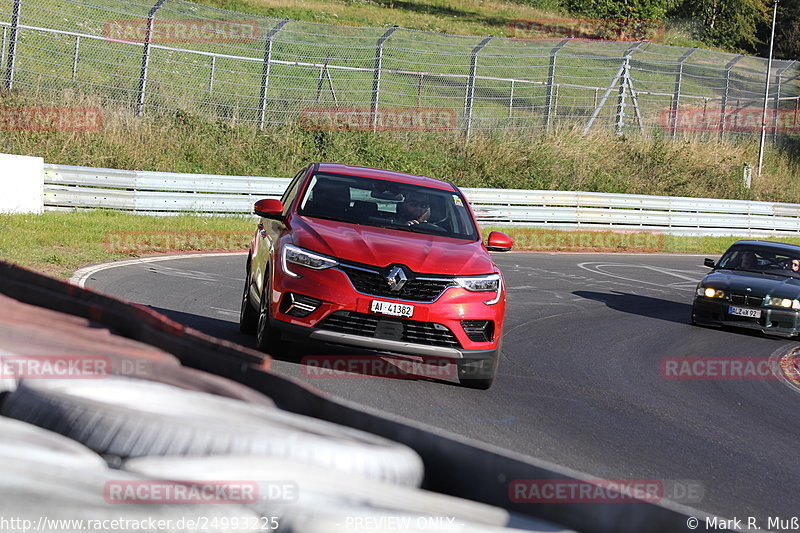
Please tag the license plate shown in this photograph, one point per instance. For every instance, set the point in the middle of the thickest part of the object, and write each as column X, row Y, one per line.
column 391, row 308
column 741, row 311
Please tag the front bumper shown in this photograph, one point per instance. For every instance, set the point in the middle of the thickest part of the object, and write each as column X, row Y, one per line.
column 339, row 297
column 714, row 312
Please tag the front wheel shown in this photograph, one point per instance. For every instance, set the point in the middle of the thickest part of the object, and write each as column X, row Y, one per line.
column 479, row 374
column 248, row 317
column 268, row 338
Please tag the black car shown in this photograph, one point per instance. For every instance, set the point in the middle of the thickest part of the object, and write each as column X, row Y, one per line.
column 755, row 285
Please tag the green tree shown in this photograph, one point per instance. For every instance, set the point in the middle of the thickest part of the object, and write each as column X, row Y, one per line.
column 787, row 30
column 730, row 24
column 620, row 9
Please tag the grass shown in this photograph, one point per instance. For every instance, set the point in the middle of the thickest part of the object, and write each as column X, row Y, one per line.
column 562, row 160
column 57, row 243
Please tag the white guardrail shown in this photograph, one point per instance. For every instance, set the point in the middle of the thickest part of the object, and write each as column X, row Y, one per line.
column 166, row 193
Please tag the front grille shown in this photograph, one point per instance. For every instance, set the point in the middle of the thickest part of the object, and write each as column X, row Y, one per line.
column 394, row 329
column 744, row 299
column 416, row 289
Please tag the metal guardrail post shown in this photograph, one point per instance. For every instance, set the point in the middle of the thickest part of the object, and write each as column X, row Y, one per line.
column 75, row 57
column 551, row 75
column 724, row 114
column 262, row 100
column 677, row 94
column 376, row 77
column 777, row 104
column 473, row 67
column 146, row 57
column 12, row 45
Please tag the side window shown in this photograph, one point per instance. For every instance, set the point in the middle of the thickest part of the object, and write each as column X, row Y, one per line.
column 291, row 190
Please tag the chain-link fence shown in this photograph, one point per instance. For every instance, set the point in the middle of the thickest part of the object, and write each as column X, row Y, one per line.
column 176, row 55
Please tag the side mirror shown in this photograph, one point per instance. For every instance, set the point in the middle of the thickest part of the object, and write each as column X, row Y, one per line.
column 709, row 263
column 269, row 208
column 499, row 242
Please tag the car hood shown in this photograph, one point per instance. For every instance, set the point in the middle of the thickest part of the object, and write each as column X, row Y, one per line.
column 759, row 284
column 429, row 254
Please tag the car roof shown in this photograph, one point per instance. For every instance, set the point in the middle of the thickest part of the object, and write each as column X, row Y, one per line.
column 389, row 175
column 769, row 244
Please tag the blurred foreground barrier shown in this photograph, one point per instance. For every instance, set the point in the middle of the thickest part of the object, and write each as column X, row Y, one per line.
column 166, row 193
column 453, row 464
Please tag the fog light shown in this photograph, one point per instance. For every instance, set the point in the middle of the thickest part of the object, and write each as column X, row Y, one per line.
column 478, row 330
column 299, row 305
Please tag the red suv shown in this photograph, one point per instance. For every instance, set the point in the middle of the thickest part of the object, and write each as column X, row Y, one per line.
column 379, row 260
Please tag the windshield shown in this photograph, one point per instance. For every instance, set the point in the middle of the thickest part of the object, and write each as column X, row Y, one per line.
column 763, row 260
column 388, row 204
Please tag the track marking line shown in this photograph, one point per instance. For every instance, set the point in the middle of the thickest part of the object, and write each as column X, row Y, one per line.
column 82, row 275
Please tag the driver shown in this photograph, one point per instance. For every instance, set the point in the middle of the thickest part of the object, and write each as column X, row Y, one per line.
column 414, row 209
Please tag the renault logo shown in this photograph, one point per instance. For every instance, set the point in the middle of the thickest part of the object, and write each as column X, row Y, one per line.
column 396, row 278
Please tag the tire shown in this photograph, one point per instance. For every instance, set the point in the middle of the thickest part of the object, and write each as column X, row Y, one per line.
column 122, row 418
column 26, row 442
column 72, row 495
column 311, row 487
column 268, row 338
column 248, row 317
column 480, row 374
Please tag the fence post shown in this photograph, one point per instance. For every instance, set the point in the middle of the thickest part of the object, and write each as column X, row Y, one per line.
column 211, row 75
column 619, row 123
column 551, row 75
column 677, row 94
column 75, row 57
column 12, row 45
column 776, row 106
column 376, row 78
column 724, row 114
column 262, row 100
column 146, row 56
column 3, row 48
column 473, row 67
column 511, row 100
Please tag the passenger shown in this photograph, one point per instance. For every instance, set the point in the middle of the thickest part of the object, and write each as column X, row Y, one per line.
column 747, row 260
column 329, row 199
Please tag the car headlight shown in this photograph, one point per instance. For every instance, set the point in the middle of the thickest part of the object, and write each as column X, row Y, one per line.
column 295, row 255
column 709, row 292
column 784, row 302
column 490, row 283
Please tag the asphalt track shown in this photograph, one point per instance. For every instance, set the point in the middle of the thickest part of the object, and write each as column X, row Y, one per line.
column 580, row 382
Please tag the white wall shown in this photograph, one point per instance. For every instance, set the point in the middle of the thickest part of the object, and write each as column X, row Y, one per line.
column 21, row 184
